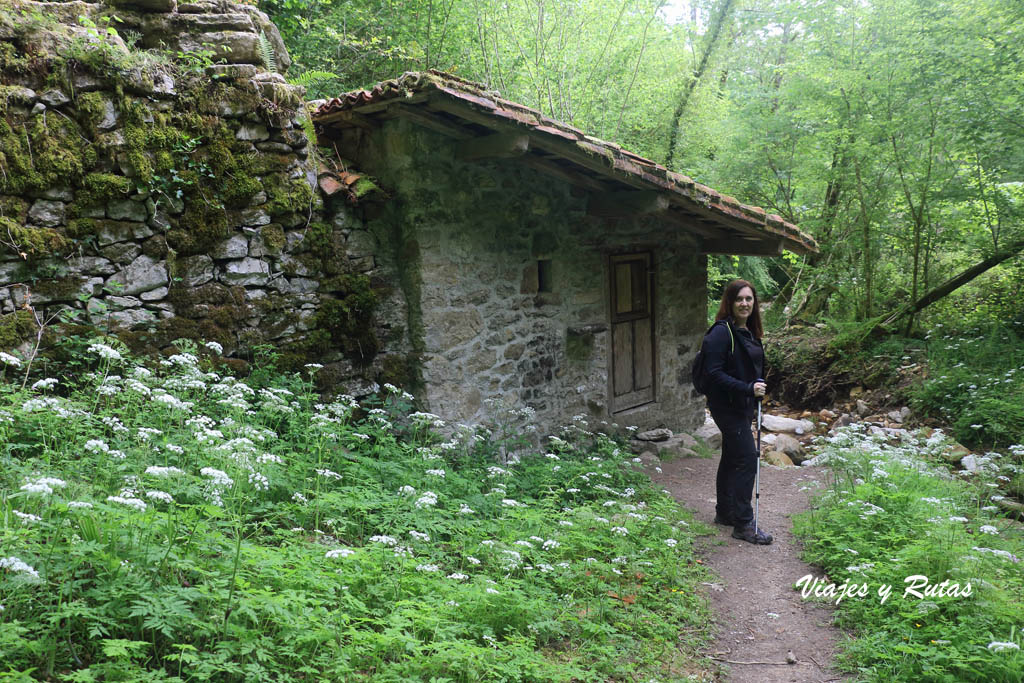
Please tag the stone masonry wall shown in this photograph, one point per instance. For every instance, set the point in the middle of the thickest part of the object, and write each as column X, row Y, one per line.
column 161, row 200
column 473, row 232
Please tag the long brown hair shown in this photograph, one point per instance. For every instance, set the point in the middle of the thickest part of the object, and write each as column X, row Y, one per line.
column 732, row 290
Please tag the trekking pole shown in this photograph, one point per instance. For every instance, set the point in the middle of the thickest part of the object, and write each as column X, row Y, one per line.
column 757, row 476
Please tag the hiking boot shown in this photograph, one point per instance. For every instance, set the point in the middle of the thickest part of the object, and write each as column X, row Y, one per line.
column 750, row 534
column 724, row 521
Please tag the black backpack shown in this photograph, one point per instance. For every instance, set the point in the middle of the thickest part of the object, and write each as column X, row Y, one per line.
column 698, row 373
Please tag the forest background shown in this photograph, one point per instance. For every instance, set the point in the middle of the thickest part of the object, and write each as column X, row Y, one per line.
column 889, row 130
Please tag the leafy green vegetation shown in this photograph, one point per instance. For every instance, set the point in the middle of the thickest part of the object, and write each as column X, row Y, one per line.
column 173, row 523
column 976, row 383
column 891, row 514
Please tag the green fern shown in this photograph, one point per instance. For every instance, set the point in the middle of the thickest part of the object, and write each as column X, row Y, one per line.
column 314, row 82
column 267, row 53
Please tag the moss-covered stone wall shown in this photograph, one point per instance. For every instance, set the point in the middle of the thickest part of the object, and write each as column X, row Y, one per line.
column 155, row 189
column 467, row 239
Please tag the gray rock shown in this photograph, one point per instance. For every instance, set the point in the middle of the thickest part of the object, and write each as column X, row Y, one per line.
column 108, row 121
column 144, row 274
column 121, row 303
column 38, row 108
column 259, row 247
column 296, row 285
column 362, row 264
column 895, row 416
column 122, row 253
column 85, row 81
column 196, row 270
column 775, row 423
column 360, row 243
column 17, row 94
column 675, row 447
column 93, row 265
column 132, row 317
column 247, row 271
column 904, row 413
column 54, row 98
column 862, row 408
column 661, row 434
column 127, row 209
column 12, row 271
column 252, row 131
column 92, row 211
column 254, row 217
column 46, row 213
column 152, row 83
column 234, row 247
column 111, row 232
column 778, row 458
column 293, row 266
column 159, row 221
column 154, row 294
column 147, row 5
column 843, row 420
column 709, row 434
column 791, row 447
column 61, row 193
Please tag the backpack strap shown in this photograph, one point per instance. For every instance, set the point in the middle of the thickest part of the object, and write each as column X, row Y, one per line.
column 732, row 339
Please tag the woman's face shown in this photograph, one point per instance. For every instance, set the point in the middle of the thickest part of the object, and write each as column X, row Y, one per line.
column 743, row 306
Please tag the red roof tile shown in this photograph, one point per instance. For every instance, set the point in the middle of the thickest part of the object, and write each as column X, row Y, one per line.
column 615, row 163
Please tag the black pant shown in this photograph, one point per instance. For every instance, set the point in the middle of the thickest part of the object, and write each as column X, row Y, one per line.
column 737, row 469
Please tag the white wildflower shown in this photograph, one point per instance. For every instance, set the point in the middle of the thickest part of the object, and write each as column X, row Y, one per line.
column 136, row 503
column 428, row 499
column 8, row 359
column 105, row 352
column 26, row 516
column 97, row 446
column 339, row 552
column 16, row 565
column 997, row 646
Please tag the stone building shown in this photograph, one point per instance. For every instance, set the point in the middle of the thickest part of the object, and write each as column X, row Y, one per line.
column 536, row 264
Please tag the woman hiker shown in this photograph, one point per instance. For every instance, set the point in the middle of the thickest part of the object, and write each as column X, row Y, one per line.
column 735, row 366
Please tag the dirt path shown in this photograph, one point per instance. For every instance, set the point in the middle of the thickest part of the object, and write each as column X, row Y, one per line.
column 759, row 616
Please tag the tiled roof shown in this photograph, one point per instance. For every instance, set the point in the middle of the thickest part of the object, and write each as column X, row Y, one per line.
column 464, row 109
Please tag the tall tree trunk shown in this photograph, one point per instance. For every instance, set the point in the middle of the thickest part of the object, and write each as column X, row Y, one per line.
column 713, row 34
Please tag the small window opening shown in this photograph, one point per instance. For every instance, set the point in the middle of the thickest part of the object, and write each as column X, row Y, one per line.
column 544, row 283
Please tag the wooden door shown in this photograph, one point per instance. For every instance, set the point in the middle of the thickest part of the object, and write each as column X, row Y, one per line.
column 632, row 320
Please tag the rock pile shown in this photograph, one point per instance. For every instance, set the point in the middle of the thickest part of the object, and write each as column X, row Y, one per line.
column 167, row 200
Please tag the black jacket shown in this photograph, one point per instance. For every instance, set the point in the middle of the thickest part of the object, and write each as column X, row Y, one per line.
column 732, row 374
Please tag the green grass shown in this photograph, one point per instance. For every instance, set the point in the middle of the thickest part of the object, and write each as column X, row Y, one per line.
column 173, row 523
column 892, row 513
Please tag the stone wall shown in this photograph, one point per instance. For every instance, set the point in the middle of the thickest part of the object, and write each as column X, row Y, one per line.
column 470, row 236
column 161, row 199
